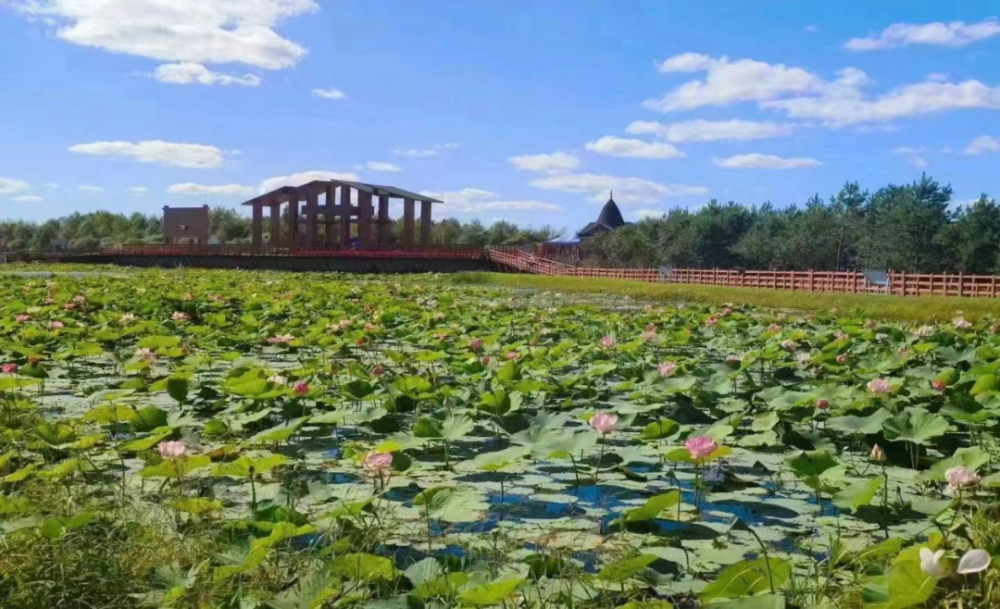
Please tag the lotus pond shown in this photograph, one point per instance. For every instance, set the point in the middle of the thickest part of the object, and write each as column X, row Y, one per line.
column 248, row 439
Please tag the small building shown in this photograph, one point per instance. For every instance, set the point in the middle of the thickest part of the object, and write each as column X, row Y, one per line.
column 186, row 225
column 609, row 220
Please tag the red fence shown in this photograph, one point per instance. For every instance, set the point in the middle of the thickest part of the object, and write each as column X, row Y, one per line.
column 451, row 252
column 901, row 284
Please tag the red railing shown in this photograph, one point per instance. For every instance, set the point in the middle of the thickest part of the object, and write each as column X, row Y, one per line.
column 382, row 251
column 900, row 284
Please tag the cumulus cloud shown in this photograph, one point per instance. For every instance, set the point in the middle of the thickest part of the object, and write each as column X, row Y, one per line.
column 847, row 105
column 139, row 191
column 28, row 199
column 983, row 144
column 764, row 161
column 9, row 186
column 304, row 177
column 627, row 189
column 914, row 156
column 197, row 31
column 188, row 73
column 195, row 156
column 952, row 34
column 549, row 163
column 474, row 200
column 728, row 81
column 646, row 212
column 380, row 166
column 425, row 152
column 329, row 93
column 712, row 131
column 632, row 148
column 190, row 188
column 90, row 188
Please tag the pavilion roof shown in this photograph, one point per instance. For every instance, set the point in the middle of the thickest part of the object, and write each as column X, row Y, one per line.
column 285, row 192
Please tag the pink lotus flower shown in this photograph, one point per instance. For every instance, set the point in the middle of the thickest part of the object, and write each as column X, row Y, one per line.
column 938, row 385
column 281, row 339
column 510, row 355
column 651, row 327
column 172, row 450
column 774, row 328
column 476, row 344
column 9, row 368
column 822, row 404
column 789, row 345
column 370, row 326
column 842, row 358
column 301, row 388
column 69, row 306
column 878, row 454
column 145, row 355
column 377, row 463
column 126, row 318
column 603, row 422
column 961, row 323
column 180, row 316
column 711, row 321
column 55, row 325
column 667, row 369
column 961, row 477
column 841, row 335
column 700, row 447
column 725, row 311
column 22, row 318
column 608, row 341
column 871, row 324
column 879, row 386
column 378, row 370
column 649, row 336
column 485, row 360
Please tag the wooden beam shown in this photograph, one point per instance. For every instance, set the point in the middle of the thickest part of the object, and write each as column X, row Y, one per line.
column 408, row 223
column 293, row 219
column 426, row 225
column 383, row 219
column 275, row 223
column 312, row 204
column 258, row 227
column 345, row 216
column 364, row 219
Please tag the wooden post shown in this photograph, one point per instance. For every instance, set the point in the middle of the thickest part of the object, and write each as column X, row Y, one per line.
column 961, row 284
column 293, row 219
column 408, row 223
column 345, row 216
column 275, row 224
column 364, row 219
column 383, row 219
column 312, row 212
column 426, row 225
column 258, row 227
column 331, row 204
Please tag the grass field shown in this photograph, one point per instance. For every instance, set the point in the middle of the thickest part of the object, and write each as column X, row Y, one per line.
column 895, row 308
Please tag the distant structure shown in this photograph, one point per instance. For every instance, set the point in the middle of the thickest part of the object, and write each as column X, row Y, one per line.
column 568, row 246
column 186, row 225
column 344, row 211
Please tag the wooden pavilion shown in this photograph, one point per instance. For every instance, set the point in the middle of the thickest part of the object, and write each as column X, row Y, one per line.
column 331, row 208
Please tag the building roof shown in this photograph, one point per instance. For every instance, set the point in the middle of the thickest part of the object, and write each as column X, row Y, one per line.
column 565, row 239
column 286, row 192
column 610, row 219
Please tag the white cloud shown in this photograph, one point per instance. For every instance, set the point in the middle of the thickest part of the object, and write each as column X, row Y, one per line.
column 712, row 131
column 627, row 189
column 190, row 188
column 139, row 191
column 728, row 81
column 631, row 148
column 953, row 34
column 28, row 199
column 89, row 188
column 329, row 93
column 474, row 200
column 304, row 177
column 914, row 156
column 846, row 105
column 810, row 29
column 380, row 166
column 646, row 212
column 9, row 186
column 983, row 143
column 188, row 73
column 764, row 161
column 415, row 152
column 198, row 31
column 196, row 156
column 50, row 185
column 549, row 163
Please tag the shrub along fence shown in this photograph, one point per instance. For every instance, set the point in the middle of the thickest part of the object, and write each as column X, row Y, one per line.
column 900, row 284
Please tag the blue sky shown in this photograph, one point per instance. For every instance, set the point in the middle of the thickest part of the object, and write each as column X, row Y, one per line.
column 525, row 110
